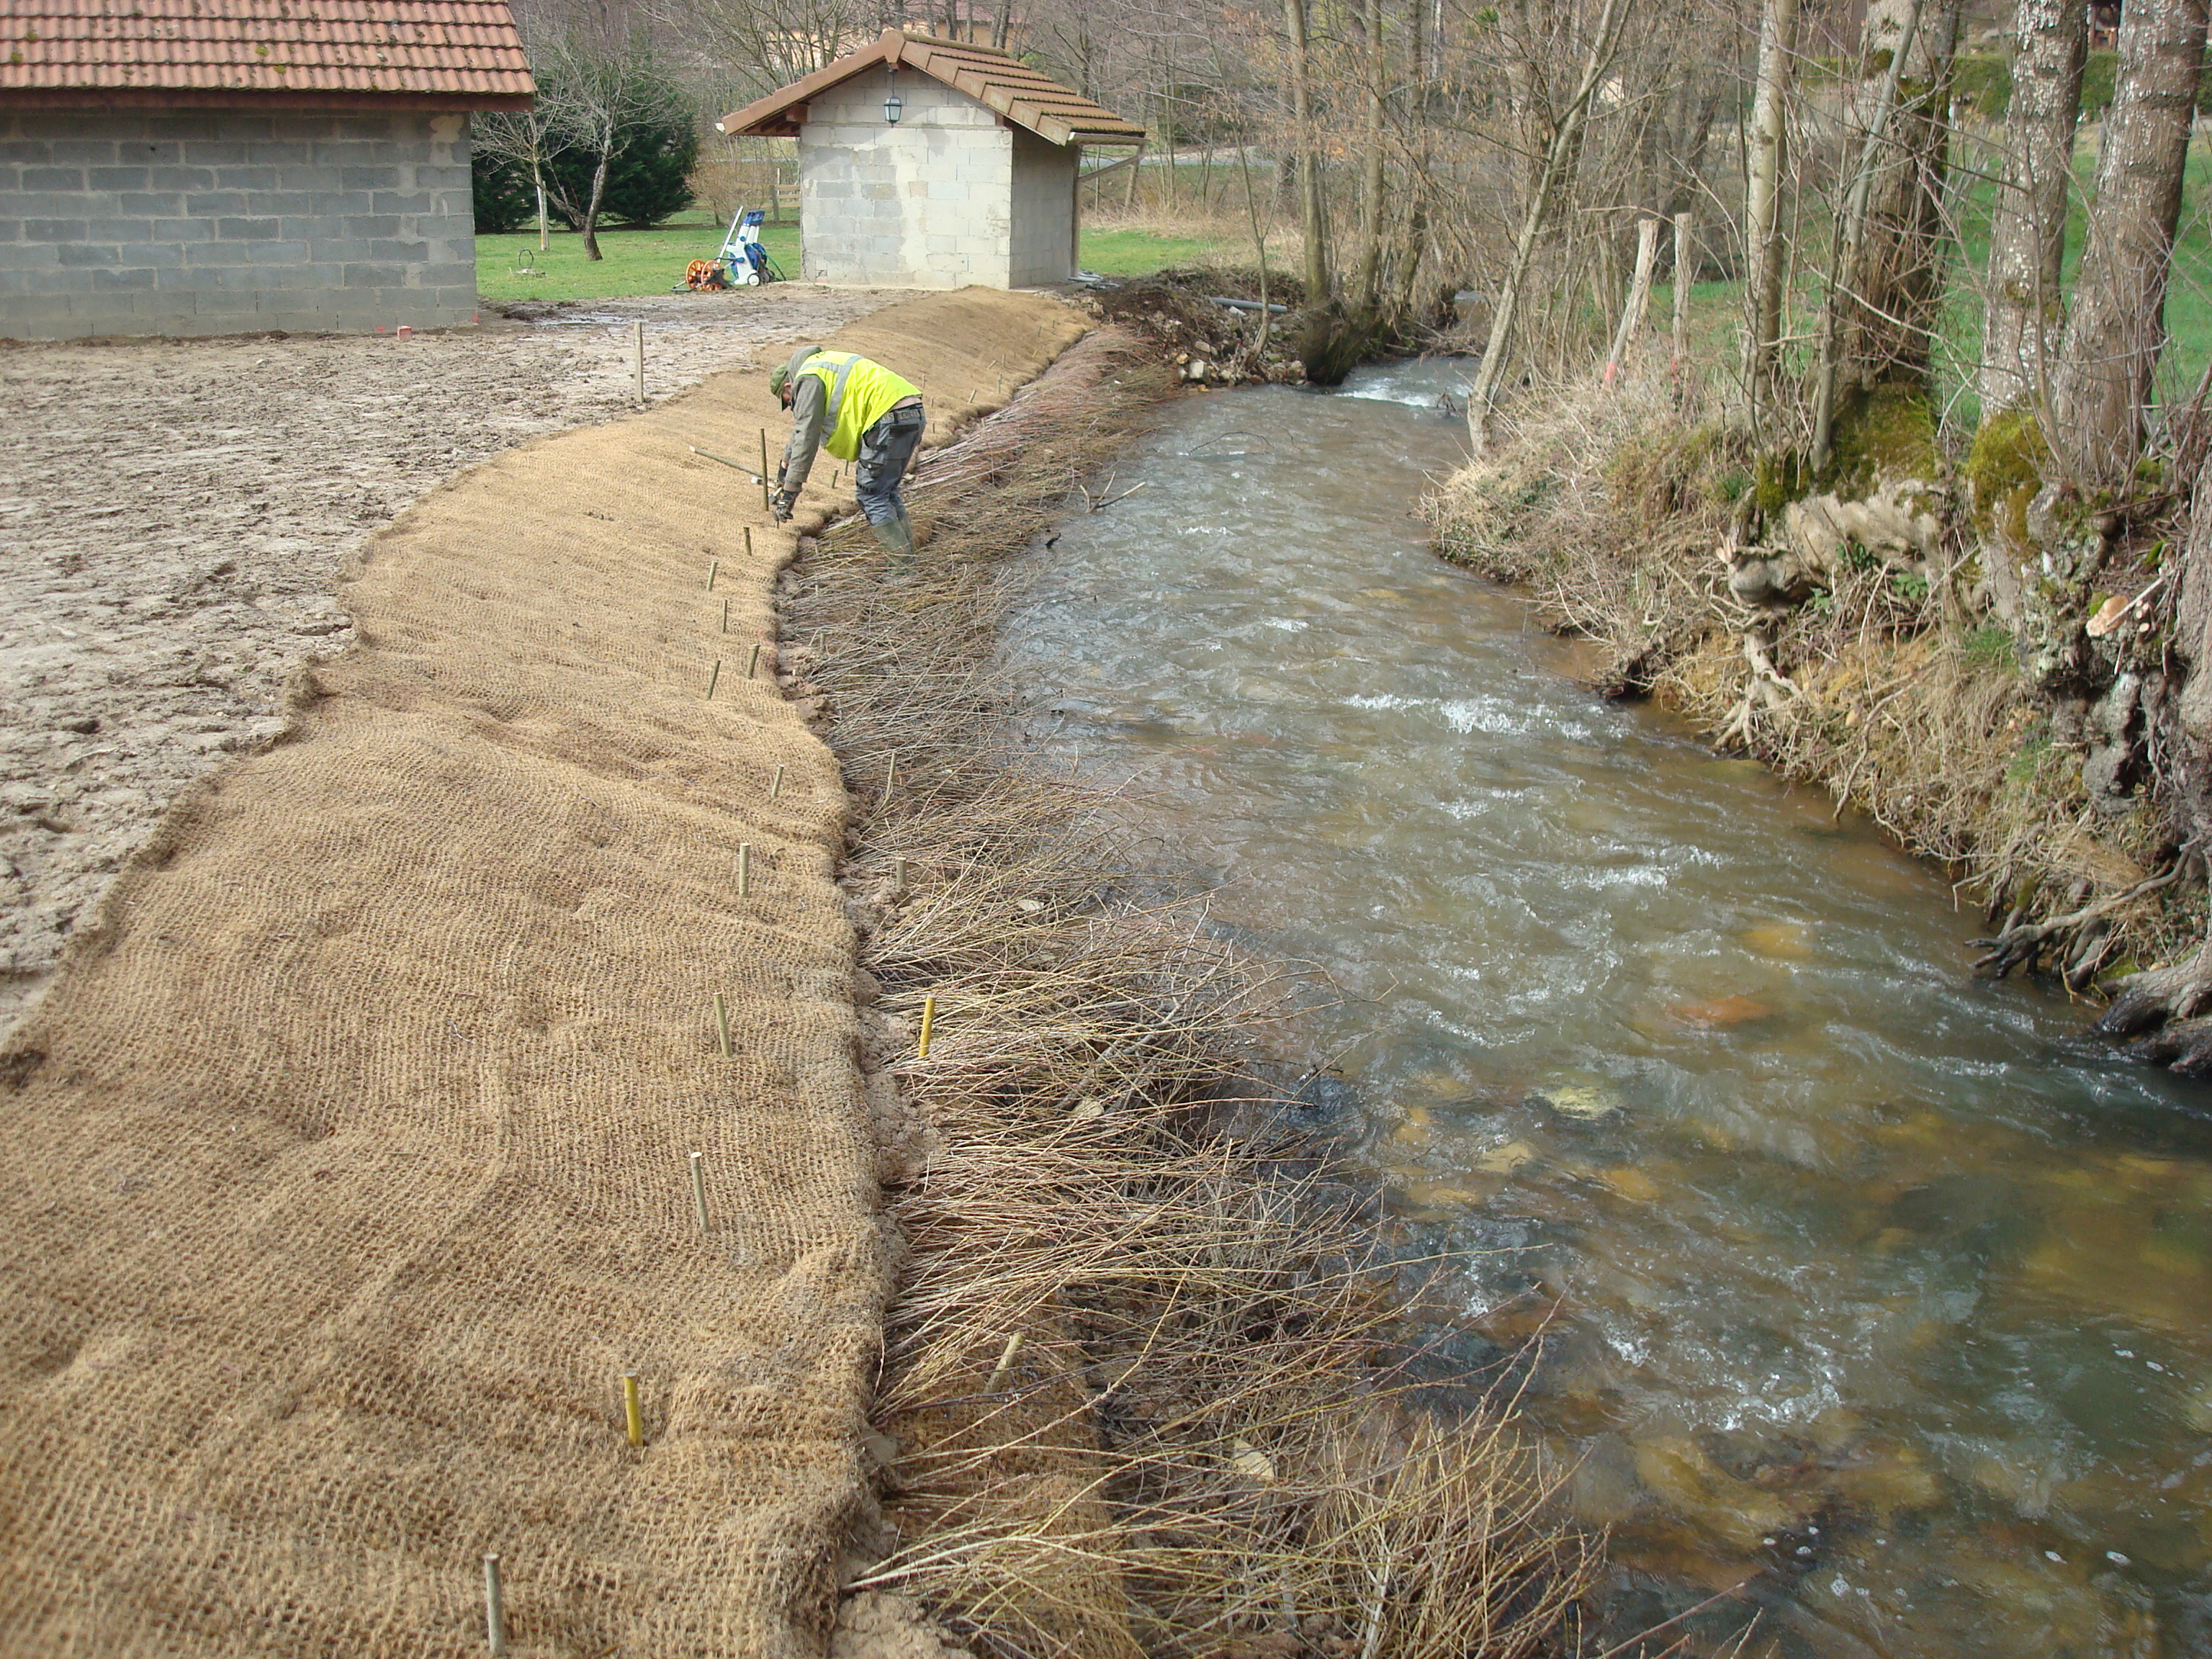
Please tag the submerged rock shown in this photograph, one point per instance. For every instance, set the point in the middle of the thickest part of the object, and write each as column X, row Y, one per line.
column 1586, row 1101
column 1719, row 1013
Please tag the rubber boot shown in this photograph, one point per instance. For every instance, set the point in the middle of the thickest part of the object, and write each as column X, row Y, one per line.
column 897, row 540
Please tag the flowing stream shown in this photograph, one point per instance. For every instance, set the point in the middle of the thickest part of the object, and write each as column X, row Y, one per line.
column 1851, row 1276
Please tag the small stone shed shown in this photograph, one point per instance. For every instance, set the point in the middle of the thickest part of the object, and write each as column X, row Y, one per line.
column 973, row 182
column 226, row 167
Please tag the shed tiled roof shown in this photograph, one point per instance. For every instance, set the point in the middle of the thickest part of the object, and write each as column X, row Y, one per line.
column 1025, row 96
column 466, row 53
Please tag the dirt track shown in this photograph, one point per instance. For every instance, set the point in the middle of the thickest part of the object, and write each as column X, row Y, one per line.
column 173, row 516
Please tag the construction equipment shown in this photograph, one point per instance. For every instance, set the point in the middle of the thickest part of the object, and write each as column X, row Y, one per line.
column 743, row 261
column 747, row 260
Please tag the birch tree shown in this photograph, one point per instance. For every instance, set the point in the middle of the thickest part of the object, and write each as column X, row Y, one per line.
column 1767, row 257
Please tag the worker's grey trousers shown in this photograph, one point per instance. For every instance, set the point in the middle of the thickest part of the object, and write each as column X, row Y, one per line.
column 885, row 449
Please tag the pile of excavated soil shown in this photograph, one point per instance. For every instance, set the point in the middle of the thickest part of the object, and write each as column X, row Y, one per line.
column 174, row 514
column 350, row 1158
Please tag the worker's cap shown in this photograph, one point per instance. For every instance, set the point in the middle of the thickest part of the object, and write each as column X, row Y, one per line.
column 779, row 376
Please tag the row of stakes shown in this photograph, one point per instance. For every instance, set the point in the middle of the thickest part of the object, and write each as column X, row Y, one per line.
column 633, row 1413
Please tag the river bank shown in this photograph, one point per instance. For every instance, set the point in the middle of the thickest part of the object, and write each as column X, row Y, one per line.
column 175, row 517
column 1842, row 1278
column 482, row 1042
column 1893, row 686
column 1141, row 1369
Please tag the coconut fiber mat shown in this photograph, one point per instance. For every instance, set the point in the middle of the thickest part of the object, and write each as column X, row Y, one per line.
column 350, row 1166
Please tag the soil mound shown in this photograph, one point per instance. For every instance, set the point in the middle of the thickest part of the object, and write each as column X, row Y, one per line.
column 350, row 1163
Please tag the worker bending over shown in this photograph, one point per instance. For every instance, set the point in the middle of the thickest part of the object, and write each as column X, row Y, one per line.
column 867, row 416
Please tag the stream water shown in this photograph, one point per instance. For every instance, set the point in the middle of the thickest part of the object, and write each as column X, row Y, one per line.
column 1853, row 1279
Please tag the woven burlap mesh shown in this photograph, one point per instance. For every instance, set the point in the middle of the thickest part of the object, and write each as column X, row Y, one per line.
column 346, row 1170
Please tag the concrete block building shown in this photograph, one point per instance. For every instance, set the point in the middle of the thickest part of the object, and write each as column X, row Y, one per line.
column 928, row 163
column 226, row 166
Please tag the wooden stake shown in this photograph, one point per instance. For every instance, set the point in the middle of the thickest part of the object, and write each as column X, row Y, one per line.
column 749, row 541
column 722, row 1024
column 699, row 1190
column 713, row 679
column 714, row 566
column 764, row 490
column 725, row 616
column 776, row 788
column 898, row 875
column 494, row 1608
column 745, row 869
column 640, row 363
column 928, row 1021
column 752, row 667
column 1640, row 299
column 1681, row 286
column 633, row 1419
column 1005, row 1363
column 891, row 774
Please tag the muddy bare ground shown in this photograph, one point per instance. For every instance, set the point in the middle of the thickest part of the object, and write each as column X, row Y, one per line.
column 173, row 516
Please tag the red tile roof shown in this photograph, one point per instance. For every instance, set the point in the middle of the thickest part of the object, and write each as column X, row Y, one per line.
column 998, row 81
column 465, row 52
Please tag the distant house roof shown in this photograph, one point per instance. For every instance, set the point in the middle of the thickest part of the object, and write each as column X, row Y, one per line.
column 1027, row 97
column 453, row 54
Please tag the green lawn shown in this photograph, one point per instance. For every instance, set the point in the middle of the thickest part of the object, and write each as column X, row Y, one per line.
column 2188, row 294
column 1717, row 308
column 636, row 261
column 1142, row 252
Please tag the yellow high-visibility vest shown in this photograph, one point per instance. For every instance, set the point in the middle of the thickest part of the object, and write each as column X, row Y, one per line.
column 860, row 391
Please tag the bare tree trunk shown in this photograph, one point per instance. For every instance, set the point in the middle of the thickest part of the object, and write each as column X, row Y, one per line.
column 2027, row 223
column 1762, row 241
column 1370, row 194
column 591, row 225
column 1878, row 326
column 1311, row 224
column 2116, row 327
column 1551, row 184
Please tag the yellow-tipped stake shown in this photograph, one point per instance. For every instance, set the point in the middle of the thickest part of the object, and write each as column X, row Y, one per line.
column 494, row 1609
column 928, row 1021
column 713, row 565
column 699, row 1190
column 633, row 1419
column 745, row 869
column 722, row 1024
column 752, row 667
column 775, row 787
column 713, row 679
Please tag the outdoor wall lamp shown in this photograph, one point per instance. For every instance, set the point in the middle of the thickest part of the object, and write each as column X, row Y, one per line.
column 892, row 106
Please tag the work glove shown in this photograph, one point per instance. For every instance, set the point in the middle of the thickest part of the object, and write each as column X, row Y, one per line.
column 781, row 504
column 783, row 470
